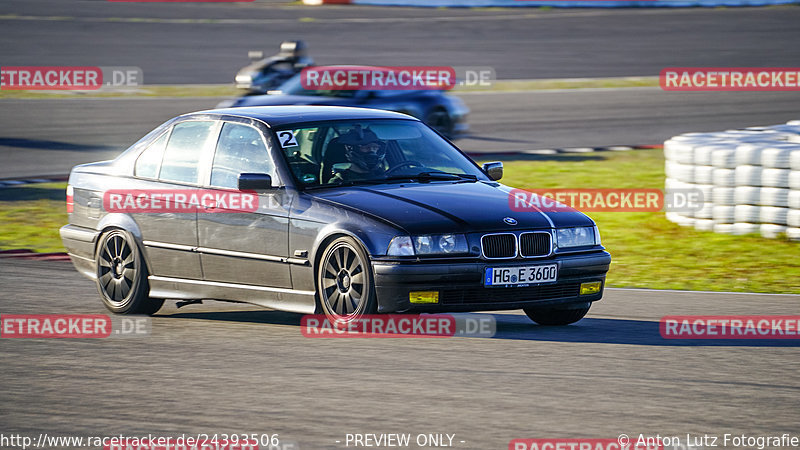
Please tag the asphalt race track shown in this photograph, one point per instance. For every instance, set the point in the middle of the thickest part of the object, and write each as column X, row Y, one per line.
column 48, row 137
column 229, row 369
column 207, row 43
column 177, row 43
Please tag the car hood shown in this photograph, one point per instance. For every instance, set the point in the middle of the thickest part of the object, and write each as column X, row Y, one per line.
column 441, row 207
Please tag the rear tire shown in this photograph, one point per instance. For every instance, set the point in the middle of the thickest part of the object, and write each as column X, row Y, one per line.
column 551, row 316
column 122, row 275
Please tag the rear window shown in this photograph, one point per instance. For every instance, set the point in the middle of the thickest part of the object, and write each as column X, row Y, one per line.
column 149, row 161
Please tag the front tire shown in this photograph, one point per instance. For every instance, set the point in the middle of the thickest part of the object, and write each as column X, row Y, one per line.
column 122, row 275
column 551, row 316
column 344, row 282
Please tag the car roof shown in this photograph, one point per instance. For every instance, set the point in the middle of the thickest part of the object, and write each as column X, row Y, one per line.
column 276, row 116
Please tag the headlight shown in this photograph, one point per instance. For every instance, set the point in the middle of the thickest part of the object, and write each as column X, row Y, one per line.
column 246, row 78
column 400, row 246
column 440, row 244
column 576, row 237
column 432, row 244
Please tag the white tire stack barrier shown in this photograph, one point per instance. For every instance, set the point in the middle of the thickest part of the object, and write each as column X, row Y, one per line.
column 793, row 218
column 704, row 175
column 771, row 231
column 723, row 213
column 773, row 215
column 772, row 196
column 724, row 228
column 747, row 214
column 775, row 177
column 723, row 196
column 746, row 228
column 748, row 154
column 704, row 224
column 794, row 179
column 793, row 199
column 747, row 195
column 748, row 176
column 749, row 179
column 724, row 178
column 777, row 156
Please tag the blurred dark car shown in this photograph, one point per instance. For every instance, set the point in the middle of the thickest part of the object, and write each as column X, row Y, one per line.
column 263, row 74
column 444, row 113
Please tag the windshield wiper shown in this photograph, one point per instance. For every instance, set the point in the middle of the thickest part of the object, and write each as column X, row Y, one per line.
column 422, row 177
column 437, row 175
column 345, row 184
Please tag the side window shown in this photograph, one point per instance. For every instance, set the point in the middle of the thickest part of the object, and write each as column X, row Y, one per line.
column 240, row 149
column 149, row 161
column 330, row 134
column 183, row 152
column 302, row 148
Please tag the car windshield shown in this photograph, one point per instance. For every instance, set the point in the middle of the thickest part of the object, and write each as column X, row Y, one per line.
column 364, row 152
column 294, row 86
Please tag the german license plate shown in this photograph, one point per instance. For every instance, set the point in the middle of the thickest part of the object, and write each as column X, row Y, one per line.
column 520, row 276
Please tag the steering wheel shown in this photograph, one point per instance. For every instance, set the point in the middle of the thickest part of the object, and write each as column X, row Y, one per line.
column 403, row 164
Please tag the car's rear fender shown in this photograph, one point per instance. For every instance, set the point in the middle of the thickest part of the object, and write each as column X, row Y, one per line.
column 120, row 220
column 124, row 222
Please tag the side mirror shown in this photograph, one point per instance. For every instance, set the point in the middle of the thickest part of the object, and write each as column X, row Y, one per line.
column 494, row 170
column 255, row 182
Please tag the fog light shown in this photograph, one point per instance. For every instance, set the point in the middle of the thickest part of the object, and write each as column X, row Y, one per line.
column 591, row 288
column 424, row 297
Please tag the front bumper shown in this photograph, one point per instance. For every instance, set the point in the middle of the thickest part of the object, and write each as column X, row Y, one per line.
column 461, row 288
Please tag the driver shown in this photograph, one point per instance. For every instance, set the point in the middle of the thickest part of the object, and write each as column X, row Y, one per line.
column 366, row 154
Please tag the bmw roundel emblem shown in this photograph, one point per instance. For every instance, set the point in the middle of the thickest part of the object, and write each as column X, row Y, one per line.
column 510, row 221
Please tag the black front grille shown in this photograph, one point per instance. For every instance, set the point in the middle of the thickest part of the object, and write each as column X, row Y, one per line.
column 534, row 244
column 499, row 245
column 508, row 295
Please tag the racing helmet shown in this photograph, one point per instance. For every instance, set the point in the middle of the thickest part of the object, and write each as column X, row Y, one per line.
column 363, row 148
column 293, row 49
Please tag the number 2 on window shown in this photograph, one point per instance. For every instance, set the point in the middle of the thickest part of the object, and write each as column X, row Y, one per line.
column 287, row 139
